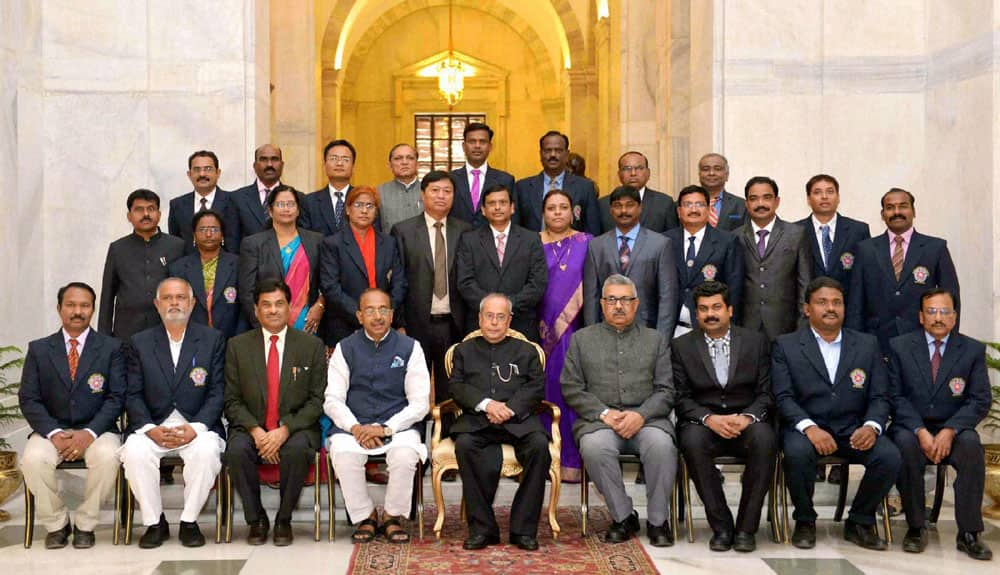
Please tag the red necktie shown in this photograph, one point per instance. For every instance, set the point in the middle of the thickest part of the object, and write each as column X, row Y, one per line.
column 273, row 383
column 936, row 361
column 74, row 358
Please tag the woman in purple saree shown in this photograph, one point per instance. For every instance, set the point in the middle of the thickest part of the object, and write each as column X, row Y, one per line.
column 560, row 312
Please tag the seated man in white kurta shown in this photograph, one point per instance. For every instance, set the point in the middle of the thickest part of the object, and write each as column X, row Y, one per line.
column 378, row 390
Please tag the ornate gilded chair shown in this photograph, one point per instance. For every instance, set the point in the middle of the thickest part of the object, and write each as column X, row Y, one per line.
column 443, row 449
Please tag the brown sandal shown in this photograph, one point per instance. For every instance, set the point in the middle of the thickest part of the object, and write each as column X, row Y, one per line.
column 397, row 535
column 365, row 531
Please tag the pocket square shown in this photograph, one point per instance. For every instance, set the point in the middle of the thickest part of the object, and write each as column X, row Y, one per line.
column 397, row 362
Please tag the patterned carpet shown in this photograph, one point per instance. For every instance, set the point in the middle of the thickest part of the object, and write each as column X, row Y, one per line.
column 569, row 554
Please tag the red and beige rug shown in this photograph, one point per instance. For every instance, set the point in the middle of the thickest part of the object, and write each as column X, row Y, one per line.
column 569, row 554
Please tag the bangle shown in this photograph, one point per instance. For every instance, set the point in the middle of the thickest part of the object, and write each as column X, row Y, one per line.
column 320, row 304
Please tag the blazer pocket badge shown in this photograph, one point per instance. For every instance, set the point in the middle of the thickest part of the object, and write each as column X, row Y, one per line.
column 858, row 378
column 920, row 275
column 577, row 213
column 96, row 383
column 397, row 362
column 847, row 260
column 198, row 376
column 388, row 276
column 957, row 386
column 230, row 294
column 709, row 271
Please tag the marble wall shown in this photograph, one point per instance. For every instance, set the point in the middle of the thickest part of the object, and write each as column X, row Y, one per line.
column 87, row 117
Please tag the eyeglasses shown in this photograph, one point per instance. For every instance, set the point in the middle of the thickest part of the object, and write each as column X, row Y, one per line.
column 209, row 230
column 364, row 206
column 624, row 300
column 205, row 169
column 716, row 169
column 339, row 159
column 497, row 317
column 941, row 311
column 373, row 311
column 690, row 205
column 631, row 169
column 288, row 204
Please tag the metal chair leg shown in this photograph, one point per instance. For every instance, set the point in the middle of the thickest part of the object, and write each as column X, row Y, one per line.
column 584, row 500
column 886, row 525
column 845, row 470
column 687, row 501
column 218, row 505
column 29, row 517
column 942, row 478
column 316, row 504
column 783, row 492
column 229, row 507
column 129, row 511
column 331, row 496
column 116, row 532
column 419, row 480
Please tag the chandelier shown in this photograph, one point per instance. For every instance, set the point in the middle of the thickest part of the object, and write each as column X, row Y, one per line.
column 450, row 73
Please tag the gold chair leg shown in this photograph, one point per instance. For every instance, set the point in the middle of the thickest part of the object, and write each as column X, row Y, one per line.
column 129, row 511
column 772, row 509
column 418, row 487
column 218, row 507
column 229, row 507
column 675, row 497
column 29, row 517
column 783, row 492
column 687, row 500
column 886, row 525
column 331, row 496
column 118, row 508
column 316, row 504
column 556, row 477
column 436, row 473
column 584, row 500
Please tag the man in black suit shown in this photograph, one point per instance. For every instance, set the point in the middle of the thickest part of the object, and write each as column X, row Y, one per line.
column 275, row 381
column 639, row 254
column 723, row 378
column 498, row 382
column 893, row 270
column 204, row 172
column 940, row 393
column 433, row 308
column 702, row 253
column 174, row 406
column 659, row 213
column 833, row 237
column 831, row 389
column 777, row 263
column 134, row 266
column 476, row 175
column 324, row 208
column 250, row 201
column 728, row 211
column 502, row 258
column 71, row 394
column 529, row 192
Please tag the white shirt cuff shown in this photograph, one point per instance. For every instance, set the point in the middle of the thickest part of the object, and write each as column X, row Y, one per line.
column 804, row 424
column 876, row 426
column 91, row 432
column 53, row 432
column 481, row 406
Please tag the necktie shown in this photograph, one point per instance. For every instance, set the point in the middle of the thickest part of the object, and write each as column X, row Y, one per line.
column 204, row 204
column 721, row 363
column 553, row 185
column 74, row 358
column 339, row 208
column 713, row 214
column 441, row 263
column 897, row 257
column 624, row 253
column 273, row 383
column 476, row 185
column 827, row 246
column 691, row 254
column 500, row 247
column 761, row 243
column 263, row 197
column 936, row 360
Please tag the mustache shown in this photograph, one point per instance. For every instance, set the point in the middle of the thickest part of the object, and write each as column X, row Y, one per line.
column 76, row 317
column 711, row 319
column 761, row 209
column 146, row 219
column 894, row 218
column 831, row 314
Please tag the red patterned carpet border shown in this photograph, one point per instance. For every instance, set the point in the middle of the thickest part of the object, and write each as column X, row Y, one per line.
column 568, row 555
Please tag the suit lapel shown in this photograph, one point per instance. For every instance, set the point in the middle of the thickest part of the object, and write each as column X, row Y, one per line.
column 60, row 360
column 921, row 357
column 224, row 277
column 423, row 238
column 847, row 352
column 772, row 242
column 881, row 246
column 750, row 240
column 90, row 351
column 287, row 362
column 258, row 364
column 311, row 249
column 810, row 349
column 256, row 207
column 489, row 246
column 839, row 241
column 326, row 208
column 708, row 245
column 537, row 188
column 187, row 359
column 382, row 263
column 198, row 285
column 951, row 354
column 273, row 251
column 452, row 233
column 735, row 345
column 913, row 254
column 354, row 250
column 511, row 248
column 161, row 350
column 640, row 241
column 706, row 358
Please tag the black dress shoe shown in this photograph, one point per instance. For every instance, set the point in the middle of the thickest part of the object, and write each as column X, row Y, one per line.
column 744, row 542
column 640, row 476
column 835, row 475
column 915, row 540
column 83, row 539
column 190, row 535
column 167, row 475
column 970, row 544
column 449, row 476
column 863, row 536
column 820, row 473
column 58, row 539
column 721, row 541
column 155, row 535
column 476, row 541
column 804, row 536
column 622, row 531
column 526, row 542
column 283, row 533
column 660, row 535
column 258, row 532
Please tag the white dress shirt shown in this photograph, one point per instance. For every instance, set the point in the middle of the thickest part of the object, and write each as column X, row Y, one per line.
column 210, row 199
column 685, row 315
column 830, row 350
column 333, row 195
column 819, row 235
column 280, row 343
column 506, row 236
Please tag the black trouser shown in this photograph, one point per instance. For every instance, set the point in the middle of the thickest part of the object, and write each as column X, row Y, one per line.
column 296, row 455
column 757, row 446
column 480, row 458
column 435, row 338
column 968, row 460
column 882, row 463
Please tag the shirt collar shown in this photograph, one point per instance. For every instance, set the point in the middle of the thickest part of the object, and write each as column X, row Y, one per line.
column 210, row 197
column 281, row 334
column 821, row 341
column 333, row 190
column 406, row 186
column 431, row 221
column 699, row 235
column 547, row 181
column 906, row 236
column 482, row 169
column 505, row 232
column 264, row 189
column 930, row 339
column 380, row 340
column 769, row 227
column 724, row 339
column 631, row 235
column 832, row 223
column 80, row 339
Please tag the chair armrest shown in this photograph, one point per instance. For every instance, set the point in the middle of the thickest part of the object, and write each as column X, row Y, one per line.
column 556, row 413
column 447, row 406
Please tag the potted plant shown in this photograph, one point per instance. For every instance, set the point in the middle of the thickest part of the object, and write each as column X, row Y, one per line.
column 10, row 475
column 992, row 422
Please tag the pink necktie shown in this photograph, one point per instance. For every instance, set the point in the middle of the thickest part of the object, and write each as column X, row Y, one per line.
column 500, row 246
column 475, row 190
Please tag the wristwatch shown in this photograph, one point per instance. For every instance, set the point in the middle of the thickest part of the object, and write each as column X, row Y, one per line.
column 386, row 430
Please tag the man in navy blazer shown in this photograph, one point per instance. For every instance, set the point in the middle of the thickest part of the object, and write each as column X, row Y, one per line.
column 728, row 211
column 72, row 390
column 477, row 144
column 249, row 202
column 174, row 405
column 204, row 172
column 940, row 393
column 831, row 391
column 702, row 253
column 887, row 303
column 324, row 208
column 833, row 237
column 659, row 213
column 529, row 192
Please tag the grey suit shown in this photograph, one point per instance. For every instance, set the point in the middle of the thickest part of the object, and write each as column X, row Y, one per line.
column 651, row 267
column 733, row 213
column 629, row 371
column 659, row 212
column 774, row 286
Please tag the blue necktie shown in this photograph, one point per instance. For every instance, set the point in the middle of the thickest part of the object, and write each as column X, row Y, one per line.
column 827, row 245
column 690, row 255
column 339, row 208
